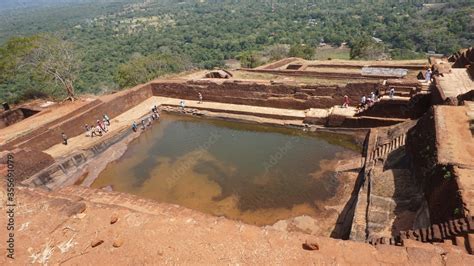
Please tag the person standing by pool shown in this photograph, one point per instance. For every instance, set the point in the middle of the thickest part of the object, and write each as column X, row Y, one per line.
column 362, row 104
column 391, row 93
column 134, row 126
column 182, row 104
column 143, row 124
column 102, row 126
column 64, row 138
column 96, row 131
column 106, row 119
column 363, row 101
column 88, row 130
column 154, row 109
column 200, row 97
column 345, row 104
column 428, row 75
column 373, row 98
column 377, row 94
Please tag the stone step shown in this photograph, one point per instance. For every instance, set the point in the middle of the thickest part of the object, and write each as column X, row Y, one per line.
column 460, row 241
column 456, row 232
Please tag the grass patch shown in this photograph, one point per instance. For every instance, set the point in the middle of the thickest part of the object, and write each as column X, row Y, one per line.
column 324, row 53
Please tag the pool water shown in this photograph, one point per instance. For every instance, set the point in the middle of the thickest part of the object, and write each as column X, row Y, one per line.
column 253, row 173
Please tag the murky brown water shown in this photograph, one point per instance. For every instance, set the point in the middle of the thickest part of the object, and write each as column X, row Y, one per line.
column 253, row 173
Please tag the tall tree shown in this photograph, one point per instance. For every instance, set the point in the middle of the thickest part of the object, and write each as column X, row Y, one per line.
column 55, row 58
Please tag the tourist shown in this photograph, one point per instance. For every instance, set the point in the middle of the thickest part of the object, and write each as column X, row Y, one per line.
column 96, row 131
column 154, row 109
column 149, row 121
column 88, row 129
column 362, row 104
column 391, row 93
column 370, row 102
column 134, row 126
column 64, row 138
column 372, row 97
column 200, row 97
column 377, row 94
column 102, row 126
column 143, row 124
column 106, row 124
column 98, row 123
column 428, row 75
column 182, row 104
column 106, row 128
column 106, row 119
column 346, row 102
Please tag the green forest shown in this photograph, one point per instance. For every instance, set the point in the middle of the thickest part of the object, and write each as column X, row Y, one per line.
column 114, row 44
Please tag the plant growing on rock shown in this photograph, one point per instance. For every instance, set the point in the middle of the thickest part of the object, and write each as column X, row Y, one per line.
column 447, row 174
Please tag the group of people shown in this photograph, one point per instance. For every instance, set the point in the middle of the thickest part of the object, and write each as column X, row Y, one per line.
column 101, row 126
column 147, row 121
column 367, row 101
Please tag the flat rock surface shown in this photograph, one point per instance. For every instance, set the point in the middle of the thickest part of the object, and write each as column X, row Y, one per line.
column 456, row 82
column 454, row 139
column 55, row 228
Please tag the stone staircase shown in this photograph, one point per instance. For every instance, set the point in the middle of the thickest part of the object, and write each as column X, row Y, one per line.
column 381, row 151
column 458, row 232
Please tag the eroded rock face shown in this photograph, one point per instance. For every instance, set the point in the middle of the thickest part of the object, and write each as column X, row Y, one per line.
column 26, row 162
column 160, row 233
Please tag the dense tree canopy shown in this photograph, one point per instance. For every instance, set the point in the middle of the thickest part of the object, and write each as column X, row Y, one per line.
column 108, row 34
column 141, row 69
column 38, row 65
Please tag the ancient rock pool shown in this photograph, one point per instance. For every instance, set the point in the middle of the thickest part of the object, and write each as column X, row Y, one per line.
column 253, row 173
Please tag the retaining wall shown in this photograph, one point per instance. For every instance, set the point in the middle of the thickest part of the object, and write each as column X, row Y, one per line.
column 438, row 181
column 114, row 106
column 16, row 115
column 268, row 95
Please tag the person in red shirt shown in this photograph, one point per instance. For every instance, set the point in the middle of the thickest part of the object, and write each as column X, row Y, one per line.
column 346, row 102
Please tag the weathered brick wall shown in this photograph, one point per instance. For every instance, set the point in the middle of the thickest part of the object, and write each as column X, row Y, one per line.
column 113, row 106
column 277, row 95
column 11, row 117
column 437, row 180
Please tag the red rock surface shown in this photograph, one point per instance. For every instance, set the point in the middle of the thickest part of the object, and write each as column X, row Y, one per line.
column 73, row 226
